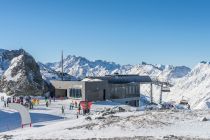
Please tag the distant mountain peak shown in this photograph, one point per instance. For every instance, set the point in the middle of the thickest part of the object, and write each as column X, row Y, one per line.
column 81, row 67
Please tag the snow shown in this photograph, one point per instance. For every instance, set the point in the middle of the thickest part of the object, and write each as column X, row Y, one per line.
column 91, row 80
column 194, row 87
column 49, row 123
column 8, row 73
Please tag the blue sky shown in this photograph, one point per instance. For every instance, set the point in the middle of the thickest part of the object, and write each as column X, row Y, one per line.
column 124, row 31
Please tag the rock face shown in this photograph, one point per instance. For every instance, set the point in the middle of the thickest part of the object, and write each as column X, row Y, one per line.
column 22, row 77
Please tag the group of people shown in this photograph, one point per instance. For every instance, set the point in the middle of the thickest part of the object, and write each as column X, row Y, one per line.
column 86, row 107
column 73, row 105
column 6, row 101
column 26, row 101
column 30, row 102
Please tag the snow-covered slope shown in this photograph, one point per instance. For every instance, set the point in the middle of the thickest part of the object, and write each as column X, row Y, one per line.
column 50, row 74
column 195, row 87
column 171, row 73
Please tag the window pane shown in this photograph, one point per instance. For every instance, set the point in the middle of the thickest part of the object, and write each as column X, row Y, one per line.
column 75, row 93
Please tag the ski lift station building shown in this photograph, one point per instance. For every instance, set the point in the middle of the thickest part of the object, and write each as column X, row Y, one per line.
column 119, row 88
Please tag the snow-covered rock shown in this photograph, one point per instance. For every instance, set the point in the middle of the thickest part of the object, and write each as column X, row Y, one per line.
column 50, row 74
column 171, row 73
column 203, row 119
column 22, row 76
column 10, row 74
column 5, row 58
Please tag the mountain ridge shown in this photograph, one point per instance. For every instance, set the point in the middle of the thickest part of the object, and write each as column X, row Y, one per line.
column 81, row 67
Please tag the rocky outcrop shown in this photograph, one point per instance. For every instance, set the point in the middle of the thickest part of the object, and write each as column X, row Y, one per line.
column 23, row 76
column 5, row 58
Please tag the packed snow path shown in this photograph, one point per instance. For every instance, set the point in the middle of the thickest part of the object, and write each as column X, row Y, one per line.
column 10, row 119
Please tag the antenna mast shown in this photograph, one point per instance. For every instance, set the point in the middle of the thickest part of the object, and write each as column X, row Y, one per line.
column 62, row 65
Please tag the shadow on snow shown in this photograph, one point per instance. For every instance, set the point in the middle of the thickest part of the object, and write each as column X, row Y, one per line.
column 11, row 121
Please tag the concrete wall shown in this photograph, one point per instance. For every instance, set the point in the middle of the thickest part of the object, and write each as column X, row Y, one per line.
column 77, row 85
column 62, row 87
column 91, row 90
column 60, row 93
column 95, row 90
column 62, row 84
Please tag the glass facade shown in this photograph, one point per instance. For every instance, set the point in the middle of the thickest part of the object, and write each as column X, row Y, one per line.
column 75, row 93
column 124, row 91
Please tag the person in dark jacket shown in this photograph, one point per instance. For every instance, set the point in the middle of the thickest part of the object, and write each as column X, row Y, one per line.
column 47, row 104
column 62, row 109
column 79, row 108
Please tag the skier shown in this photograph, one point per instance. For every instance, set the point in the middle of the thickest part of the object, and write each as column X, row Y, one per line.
column 70, row 106
column 77, row 115
column 62, row 109
column 47, row 104
column 5, row 104
column 79, row 108
column 31, row 105
column 86, row 109
column 8, row 101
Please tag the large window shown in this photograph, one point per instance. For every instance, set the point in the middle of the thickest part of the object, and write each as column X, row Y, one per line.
column 75, row 93
column 136, row 90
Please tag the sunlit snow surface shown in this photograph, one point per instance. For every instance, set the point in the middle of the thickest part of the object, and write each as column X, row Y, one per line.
column 49, row 123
